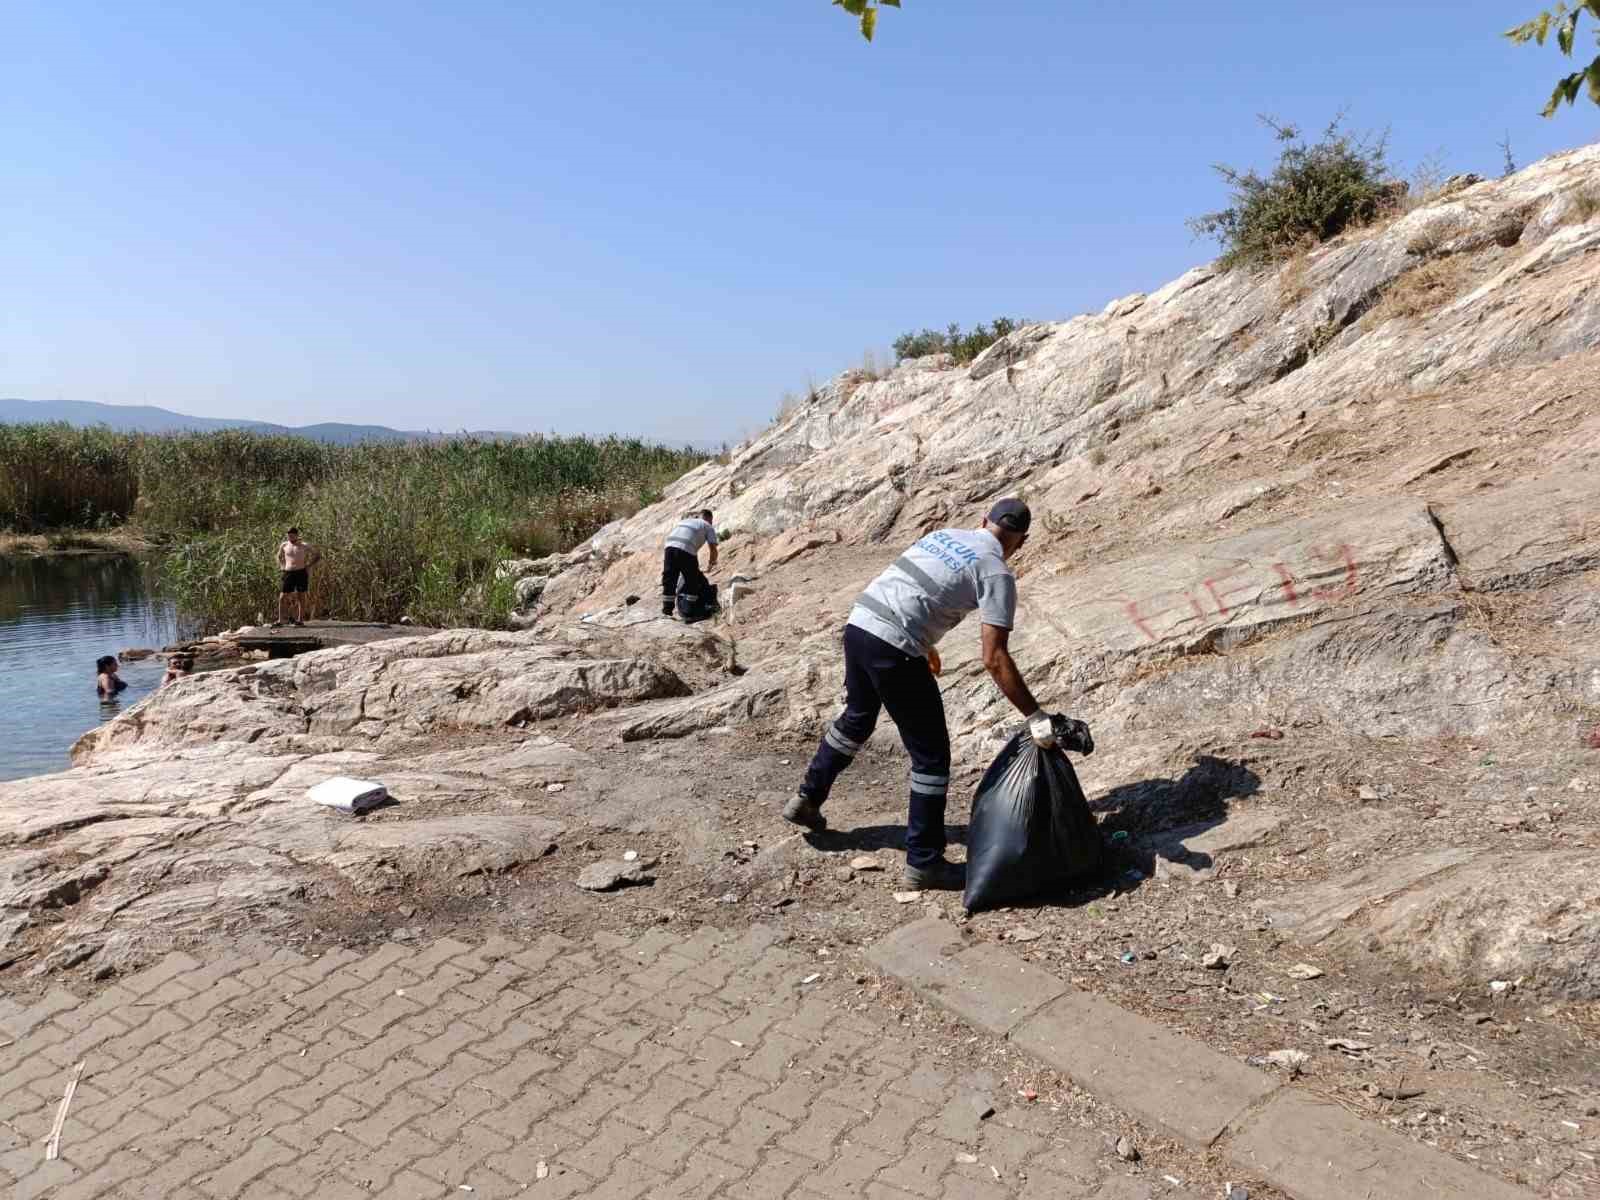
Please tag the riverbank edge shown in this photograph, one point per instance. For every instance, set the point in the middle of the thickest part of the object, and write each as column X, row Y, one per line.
column 64, row 543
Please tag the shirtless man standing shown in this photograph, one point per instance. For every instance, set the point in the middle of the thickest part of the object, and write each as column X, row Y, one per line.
column 295, row 560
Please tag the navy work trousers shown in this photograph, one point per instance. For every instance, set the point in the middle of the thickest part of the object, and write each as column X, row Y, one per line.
column 676, row 562
column 878, row 676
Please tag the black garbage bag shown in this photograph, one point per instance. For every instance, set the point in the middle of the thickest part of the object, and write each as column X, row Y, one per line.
column 699, row 607
column 1031, row 829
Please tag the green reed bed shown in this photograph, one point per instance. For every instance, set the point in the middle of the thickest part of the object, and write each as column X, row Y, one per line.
column 406, row 528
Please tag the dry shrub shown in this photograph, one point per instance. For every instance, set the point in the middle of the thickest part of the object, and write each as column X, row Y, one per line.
column 1422, row 290
column 1426, row 241
column 1426, row 183
column 1585, row 204
column 1292, row 276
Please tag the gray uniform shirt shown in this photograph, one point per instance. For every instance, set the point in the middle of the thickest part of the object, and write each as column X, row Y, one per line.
column 691, row 533
column 926, row 592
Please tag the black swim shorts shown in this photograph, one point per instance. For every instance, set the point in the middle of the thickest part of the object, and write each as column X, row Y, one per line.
column 296, row 581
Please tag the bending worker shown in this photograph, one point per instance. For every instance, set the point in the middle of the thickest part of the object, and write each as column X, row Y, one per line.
column 681, row 558
column 888, row 645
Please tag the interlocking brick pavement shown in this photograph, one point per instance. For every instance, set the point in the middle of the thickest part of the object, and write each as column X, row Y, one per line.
column 666, row 1066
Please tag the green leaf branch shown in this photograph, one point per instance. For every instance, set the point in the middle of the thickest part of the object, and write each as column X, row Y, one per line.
column 867, row 12
column 1564, row 20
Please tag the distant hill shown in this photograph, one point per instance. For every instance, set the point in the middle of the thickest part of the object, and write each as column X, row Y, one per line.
column 143, row 418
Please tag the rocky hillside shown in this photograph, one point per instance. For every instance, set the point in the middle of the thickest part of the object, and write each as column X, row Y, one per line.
column 1316, row 554
column 1352, row 502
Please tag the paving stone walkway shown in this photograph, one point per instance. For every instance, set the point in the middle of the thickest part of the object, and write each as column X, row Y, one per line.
column 669, row 1066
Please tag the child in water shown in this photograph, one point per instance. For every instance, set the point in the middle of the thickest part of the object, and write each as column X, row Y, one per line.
column 107, row 681
column 178, row 666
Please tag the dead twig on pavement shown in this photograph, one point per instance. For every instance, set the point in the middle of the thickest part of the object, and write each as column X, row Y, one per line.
column 52, row 1147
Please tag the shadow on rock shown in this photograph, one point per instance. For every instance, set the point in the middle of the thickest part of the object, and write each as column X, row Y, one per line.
column 1202, row 793
column 1148, row 825
column 874, row 837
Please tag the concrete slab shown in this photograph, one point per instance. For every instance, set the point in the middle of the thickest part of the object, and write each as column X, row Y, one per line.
column 1162, row 1077
column 1315, row 1150
column 920, row 954
column 982, row 984
column 996, row 991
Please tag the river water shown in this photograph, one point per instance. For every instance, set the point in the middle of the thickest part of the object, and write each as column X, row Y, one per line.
column 57, row 615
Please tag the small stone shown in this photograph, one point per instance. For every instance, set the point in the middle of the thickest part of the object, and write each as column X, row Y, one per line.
column 1476, row 1018
column 1235, row 1191
column 408, row 911
column 608, row 875
column 555, row 787
column 1348, row 1045
column 1126, row 1150
column 812, row 978
column 630, row 856
column 1028, row 1094
column 1499, row 987
column 906, row 897
column 542, row 1170
column 1023, row 934
column 1218, row 957
column 1368, row 793
column 1304, row 971
column 967, row 1159
column 1230, row 889
column 1292, row 1061
column 843, row 874
column 865, row 862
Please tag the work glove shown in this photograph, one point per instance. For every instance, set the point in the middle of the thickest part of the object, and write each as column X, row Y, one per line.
column 1056, row 729
column 1042, row 729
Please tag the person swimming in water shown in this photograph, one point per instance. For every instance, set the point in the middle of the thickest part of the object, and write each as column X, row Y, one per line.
column 178, row 666
column 107, row 682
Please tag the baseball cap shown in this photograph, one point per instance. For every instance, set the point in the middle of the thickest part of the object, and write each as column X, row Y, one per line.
column 1011, row 514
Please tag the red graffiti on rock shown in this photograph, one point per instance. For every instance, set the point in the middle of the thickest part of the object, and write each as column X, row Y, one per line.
column 1327, row 574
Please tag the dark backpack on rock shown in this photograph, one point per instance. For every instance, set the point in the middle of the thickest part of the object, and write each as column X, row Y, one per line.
column 1031, row 830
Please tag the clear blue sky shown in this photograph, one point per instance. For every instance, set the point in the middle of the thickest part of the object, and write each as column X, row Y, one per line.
column 649, row 218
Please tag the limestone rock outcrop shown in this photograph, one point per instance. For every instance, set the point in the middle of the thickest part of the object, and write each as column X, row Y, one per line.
column 1311, row 503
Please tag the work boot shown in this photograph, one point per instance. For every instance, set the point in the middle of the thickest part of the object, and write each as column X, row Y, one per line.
column 802, row 811
column 940, row 875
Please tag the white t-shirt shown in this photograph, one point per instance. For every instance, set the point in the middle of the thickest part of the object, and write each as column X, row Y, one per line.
column 926, row 592
column 691, row 533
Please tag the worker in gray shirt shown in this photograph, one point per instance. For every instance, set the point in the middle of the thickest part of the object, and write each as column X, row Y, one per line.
column 889, row 662
column 680, row 558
